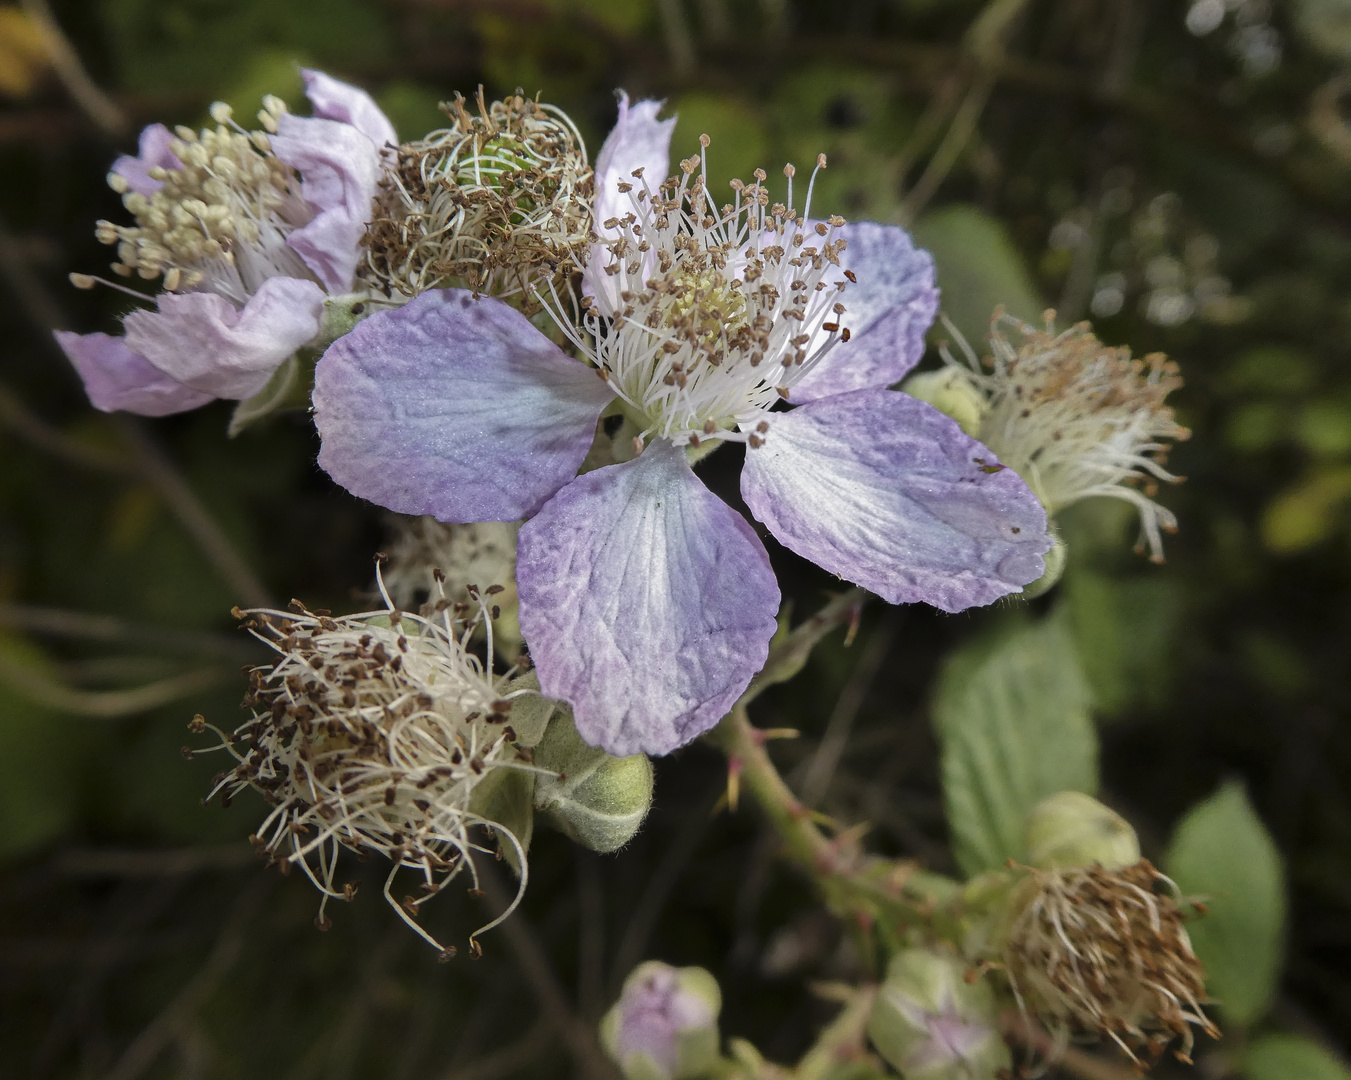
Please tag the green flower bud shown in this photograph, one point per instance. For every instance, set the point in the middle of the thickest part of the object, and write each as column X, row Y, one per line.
column 665, row 1024
column 952, row 393
column 1055, row 560
column 598, row 800
column 1072, row 829
column 929, row 1023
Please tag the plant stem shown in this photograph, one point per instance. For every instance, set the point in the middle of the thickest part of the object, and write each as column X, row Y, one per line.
column 842, row 1039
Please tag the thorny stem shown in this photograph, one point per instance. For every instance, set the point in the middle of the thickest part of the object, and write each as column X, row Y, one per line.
column 843, row 1039
column 856, row 886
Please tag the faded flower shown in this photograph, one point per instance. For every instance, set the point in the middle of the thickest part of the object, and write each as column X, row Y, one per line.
column 498, row 202
column 372, row 732
column 1075, row 418
column 249, row 234
column 1105, row 951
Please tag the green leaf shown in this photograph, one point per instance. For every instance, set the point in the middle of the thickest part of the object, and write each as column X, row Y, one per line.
column 1125, row 633
column 1012, row 717
column 1221, row 853
column 978, row 269
column 1291, row 1057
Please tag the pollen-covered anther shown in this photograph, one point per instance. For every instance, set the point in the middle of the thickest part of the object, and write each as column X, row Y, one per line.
column 221, row 218
column 497, row 202
column 371, row 732
column 721, row 311
column 1106, row 952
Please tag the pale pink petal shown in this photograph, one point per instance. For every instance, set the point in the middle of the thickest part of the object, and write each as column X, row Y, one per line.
column 336, row 100
column 204, row 341
column 152, row 151
column 117, row 379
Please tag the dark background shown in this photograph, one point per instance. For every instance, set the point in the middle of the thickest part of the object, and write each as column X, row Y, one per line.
column 1188, row 191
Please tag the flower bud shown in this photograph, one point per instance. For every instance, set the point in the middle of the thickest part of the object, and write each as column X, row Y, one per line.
column 952, row 394
column 929, row 1022
column 1072, row 829
column 665, row 1024
column 1055, row 560
column 598, row 800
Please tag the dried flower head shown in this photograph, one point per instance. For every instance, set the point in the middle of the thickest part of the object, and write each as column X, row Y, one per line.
column 371, row 732
column 497, row 202
column 1075, row 417
column 1105, row 951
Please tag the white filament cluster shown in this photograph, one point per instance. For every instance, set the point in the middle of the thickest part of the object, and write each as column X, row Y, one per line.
column 704, row 318
column 371, row 732
column 1076, row 418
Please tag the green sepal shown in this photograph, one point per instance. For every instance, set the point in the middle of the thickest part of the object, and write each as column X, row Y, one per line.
column 506, row 796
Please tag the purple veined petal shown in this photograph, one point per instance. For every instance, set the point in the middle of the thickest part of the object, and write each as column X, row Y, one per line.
column 333, row 99
column 454, row 407
column 339, row 170
column 204, row 341
column 638, row 141
column 889, row 493
column 647, row 602
column 887, row 312
column 118, row 379
column 153, row 149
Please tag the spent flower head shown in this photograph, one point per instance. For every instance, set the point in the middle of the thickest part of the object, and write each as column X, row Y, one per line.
column 371, row 732
column 498, row 202
column 1105, row 952
column 1073, row 416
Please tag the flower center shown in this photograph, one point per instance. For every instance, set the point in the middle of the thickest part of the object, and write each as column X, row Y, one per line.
column 220, row 221
column 707, row 317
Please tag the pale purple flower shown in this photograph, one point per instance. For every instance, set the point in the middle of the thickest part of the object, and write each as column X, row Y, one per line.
column 665, row 1024
column 647, row 602
column 251, row 232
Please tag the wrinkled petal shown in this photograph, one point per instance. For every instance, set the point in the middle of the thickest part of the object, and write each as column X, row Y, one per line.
column 339, row 170
column 889, row 493
column 887, row 312
column 638, row 141
column 204, row 341
column 152, row 150
column 336, row 100
column 116, row 378
column 647, row 602
column 454, row 407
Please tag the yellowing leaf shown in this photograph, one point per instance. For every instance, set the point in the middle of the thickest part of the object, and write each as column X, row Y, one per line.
column 23, row 52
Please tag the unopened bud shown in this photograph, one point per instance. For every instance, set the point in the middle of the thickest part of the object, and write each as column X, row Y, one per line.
column 665, row 1024
column 929, row 1023
column 1055, row 560
column 1072, row 829
column 951, row 393
column 598, row 800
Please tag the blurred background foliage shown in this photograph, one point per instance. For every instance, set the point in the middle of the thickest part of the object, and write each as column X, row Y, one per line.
column 1178, row 172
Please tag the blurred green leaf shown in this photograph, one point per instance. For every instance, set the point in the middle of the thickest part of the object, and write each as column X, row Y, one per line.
column 1222, row 854
column 978, row 269
column 38, row 767
column 1256, row 426
column 413, row 109
column 1012, row 717
column 738, row 146
column 1325, row 26
column 1125, row 630
column 1291, row 1057
column 1324, row 427
column 1308, row 512
column 164, row 46
column 1270, row 369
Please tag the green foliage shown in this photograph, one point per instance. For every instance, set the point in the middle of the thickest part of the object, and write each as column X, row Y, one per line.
column 40, row 763
column 739, row 145
column 978, row 269
column 1222, row 854
column 1291, row 1057
column 1125, row 632
column 163, row 46
column 1012, row 716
